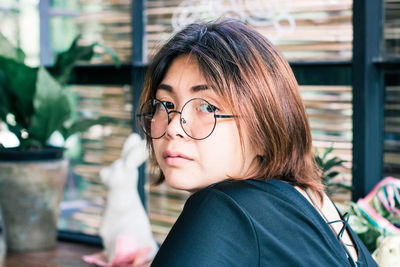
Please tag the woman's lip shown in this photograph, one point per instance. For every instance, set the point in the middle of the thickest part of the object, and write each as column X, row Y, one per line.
column 176, row 161
column 175, row 158
column 174, row 154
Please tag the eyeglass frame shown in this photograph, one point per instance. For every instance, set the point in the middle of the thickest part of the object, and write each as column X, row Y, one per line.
column 216, row 116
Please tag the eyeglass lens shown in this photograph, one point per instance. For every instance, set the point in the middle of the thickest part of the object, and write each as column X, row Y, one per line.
column 197, row 118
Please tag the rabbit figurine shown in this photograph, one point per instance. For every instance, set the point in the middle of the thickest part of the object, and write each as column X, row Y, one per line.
column 124, row 215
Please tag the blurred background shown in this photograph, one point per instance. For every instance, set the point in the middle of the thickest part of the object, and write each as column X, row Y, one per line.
column 324, row 41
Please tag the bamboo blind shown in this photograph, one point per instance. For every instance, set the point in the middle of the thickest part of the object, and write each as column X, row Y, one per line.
column 391, row 29
column 392, row 131
column 107, row 22
column 323, row 29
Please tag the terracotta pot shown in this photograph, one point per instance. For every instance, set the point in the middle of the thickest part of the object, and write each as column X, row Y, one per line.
column 30, row 194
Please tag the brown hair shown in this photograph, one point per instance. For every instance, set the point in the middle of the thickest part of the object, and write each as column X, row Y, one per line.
column 255, row 80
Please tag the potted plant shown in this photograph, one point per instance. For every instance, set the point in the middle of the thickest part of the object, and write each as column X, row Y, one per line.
column 328, row 166
column 35, row 104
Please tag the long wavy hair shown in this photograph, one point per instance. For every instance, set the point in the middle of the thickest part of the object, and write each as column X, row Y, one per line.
column 255, row 81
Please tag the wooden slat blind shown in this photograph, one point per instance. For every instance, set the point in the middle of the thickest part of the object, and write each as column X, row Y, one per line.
column 392, row 132
column 323, row 29
column 391, row 29
column 107, row 22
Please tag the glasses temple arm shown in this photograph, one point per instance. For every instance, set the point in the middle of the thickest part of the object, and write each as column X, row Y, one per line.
column 225, row 116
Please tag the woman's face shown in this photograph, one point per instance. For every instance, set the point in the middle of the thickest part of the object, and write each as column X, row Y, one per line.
column 191, row 164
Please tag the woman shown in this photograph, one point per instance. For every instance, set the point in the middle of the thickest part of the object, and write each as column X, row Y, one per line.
column 225, row 121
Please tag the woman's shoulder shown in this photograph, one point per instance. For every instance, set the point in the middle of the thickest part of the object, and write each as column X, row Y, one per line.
column 210, row 231
column 253, row 198
column 250, row 189
column 275, row 213
column 270, row 205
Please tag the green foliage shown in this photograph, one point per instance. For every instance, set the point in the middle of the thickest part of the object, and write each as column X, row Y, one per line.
column 328, row 164
column 66, row 61
column 35, row 103
column 9, row 51
column 365, row 230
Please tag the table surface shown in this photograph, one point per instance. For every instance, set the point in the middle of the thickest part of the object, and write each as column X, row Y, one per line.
column 65, row 254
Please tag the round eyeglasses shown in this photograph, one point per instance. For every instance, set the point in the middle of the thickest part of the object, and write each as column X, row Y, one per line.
column 197, row 118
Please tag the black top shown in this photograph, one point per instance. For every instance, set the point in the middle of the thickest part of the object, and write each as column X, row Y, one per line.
column 253, row 223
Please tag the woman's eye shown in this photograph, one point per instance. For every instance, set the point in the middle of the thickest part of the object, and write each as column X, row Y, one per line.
column 168, row 105
column 207, row 108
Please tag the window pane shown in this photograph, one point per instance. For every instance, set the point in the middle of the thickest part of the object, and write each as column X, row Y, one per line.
column 391, row 31
column 303, row 30
column 165, row 205
column 91, row 151
column 329, row 110
column 392, row 125
column 106, row 22
column 19, row 23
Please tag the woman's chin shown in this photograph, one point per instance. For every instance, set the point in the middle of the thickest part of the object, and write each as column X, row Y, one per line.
column 180, row 183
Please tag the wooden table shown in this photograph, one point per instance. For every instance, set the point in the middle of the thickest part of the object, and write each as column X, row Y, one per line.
column 65, row 254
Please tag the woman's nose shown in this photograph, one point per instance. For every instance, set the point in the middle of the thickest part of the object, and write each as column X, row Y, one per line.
column 174, row 128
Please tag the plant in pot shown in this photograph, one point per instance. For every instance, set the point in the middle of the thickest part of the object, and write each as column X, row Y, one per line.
column 328, row 165
column 35, row 104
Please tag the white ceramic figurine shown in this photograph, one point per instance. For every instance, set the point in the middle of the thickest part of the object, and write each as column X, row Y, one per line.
column 125, row 221
column 388, row 252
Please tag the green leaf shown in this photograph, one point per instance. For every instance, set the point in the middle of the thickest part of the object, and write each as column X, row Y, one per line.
column 354, row 209
column 18, row 83
column 30, row 143
column 319, row 161
column 332, row 174
column 327, row 152
column 66, row 61
column 359, row 224
column 113, row 55
column 7, row 50
column 365, row 231
column 333, row 162
column 51, row 107
column 4, row 105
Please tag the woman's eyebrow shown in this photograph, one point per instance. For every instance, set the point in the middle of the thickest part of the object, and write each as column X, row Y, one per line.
column 165, row 87
column 200, row 87
column 195, row 88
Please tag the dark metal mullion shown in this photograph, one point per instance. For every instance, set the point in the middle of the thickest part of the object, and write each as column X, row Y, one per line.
column 138, row 24
column 45, row 55
column 368, row 97
column 138, row 71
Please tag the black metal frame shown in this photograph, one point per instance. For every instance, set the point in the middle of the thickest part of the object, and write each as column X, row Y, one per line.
column 365, row 72
column 45, row 44
column 368, row 97
column 138, row 71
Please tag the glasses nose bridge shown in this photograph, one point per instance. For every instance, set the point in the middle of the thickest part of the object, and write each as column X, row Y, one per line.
column 174, row 111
